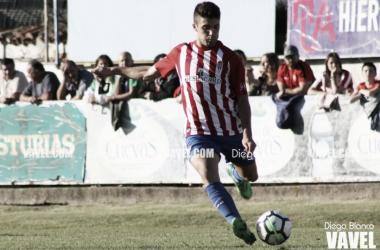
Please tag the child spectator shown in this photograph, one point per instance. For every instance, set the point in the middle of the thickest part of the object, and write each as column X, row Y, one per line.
column 99, row 89
column 370, row 87
column 368, row 93
column 334, row 79
column 12, row 82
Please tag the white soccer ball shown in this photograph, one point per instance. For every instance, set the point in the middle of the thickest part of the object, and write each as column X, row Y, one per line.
column 273, row 227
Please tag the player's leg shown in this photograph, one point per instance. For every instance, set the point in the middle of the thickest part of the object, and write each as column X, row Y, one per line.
column 246, row 172
column 242, row 175
column 243, row 169
column 207, row 167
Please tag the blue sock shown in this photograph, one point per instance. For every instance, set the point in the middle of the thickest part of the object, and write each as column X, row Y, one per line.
column 222, row 200
column 237, row 175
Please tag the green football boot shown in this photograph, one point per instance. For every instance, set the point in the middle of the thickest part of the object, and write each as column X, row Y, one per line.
column 243, row 187
column 242, row 231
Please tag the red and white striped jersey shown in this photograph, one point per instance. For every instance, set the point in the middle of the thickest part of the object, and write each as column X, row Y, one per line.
column 345, row 81
column 211, row 82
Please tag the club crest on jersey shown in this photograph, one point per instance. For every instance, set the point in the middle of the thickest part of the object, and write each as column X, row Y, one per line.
column 200, row 72
column 219, row 68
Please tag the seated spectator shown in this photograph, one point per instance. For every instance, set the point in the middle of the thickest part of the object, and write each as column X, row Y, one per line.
column 161, row 88
column 126, row 88
column 43, row 85
column 12, row 82
column 250, row 80
column 369, row 94
column 75, row 81
column 294, row 77
column 334, row 80
column 268, row 76
column 370, row 87
column 100, row 88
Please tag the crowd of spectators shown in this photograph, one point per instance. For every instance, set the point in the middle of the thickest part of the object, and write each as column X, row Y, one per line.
column 291, row 78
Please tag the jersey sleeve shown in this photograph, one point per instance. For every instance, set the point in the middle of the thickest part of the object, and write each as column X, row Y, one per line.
column 238, row 77
column 168, row 64
column 307, row 74
column 280, row 74
column 360, row 86
column 346, row 80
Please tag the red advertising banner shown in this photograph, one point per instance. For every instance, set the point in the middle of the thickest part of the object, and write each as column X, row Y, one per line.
column 347, row 27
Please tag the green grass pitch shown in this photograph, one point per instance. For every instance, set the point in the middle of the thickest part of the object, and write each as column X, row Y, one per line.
column 181, row 226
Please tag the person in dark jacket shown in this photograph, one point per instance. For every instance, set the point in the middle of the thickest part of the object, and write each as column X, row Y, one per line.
column 161, row 88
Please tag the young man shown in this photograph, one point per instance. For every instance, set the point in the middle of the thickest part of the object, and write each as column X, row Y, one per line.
column 294, row 77
column 216, row 105
column 12, row 82
column 370, row 87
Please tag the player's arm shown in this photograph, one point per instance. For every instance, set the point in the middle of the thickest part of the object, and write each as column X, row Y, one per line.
column 144, row 73
column 245, row 117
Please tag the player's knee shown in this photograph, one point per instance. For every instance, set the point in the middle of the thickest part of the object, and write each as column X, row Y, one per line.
column 255, row 178
column 252, row 177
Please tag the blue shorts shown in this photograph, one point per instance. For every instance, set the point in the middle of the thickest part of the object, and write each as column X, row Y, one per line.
column 230, row 146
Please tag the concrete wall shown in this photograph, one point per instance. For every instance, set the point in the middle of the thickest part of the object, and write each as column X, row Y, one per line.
column 119, row 195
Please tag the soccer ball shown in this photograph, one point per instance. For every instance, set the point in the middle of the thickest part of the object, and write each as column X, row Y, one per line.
column 273, row 227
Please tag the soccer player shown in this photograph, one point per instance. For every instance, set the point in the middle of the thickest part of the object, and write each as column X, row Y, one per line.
column 216, row 106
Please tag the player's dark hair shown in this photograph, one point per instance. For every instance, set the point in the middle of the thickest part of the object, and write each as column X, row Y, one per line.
column 157, row 58
column 8, row 61
column 369, row 64
column 207, row 10
column 240, row 52
column 337, row 59
column 36, row 66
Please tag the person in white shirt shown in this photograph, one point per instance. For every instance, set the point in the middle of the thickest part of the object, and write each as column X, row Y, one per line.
column 12, row 82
